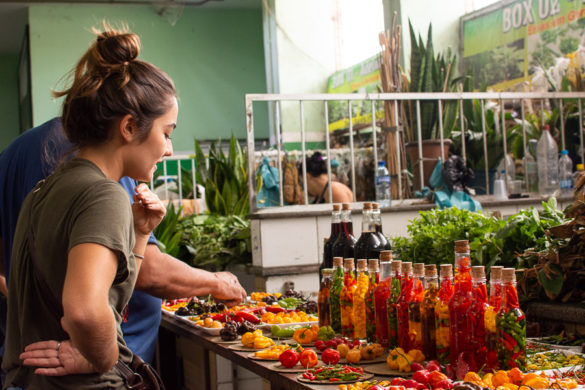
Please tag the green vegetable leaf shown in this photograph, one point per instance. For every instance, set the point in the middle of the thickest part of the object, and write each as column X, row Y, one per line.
column 554, row 284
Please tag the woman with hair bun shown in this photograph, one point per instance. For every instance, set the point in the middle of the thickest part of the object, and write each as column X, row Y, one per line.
column 317, row 182
column 78, row 243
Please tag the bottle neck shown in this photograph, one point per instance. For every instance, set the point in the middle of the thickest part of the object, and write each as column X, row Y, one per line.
column 367, row 222
column 446, row 289
column 349, row 277
column 479, row 290
column 431, row 282
column 374, row 277
column 509, row 295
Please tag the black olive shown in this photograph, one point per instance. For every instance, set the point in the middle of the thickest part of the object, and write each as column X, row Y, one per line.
column 183, row 311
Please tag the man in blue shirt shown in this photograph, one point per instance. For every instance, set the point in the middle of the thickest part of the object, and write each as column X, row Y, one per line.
column 33, row 156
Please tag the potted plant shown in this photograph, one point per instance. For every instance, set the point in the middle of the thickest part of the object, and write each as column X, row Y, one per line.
column 428, row 73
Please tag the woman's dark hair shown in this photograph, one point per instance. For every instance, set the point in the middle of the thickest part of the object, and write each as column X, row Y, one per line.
column 109, row 83
column 316, row 165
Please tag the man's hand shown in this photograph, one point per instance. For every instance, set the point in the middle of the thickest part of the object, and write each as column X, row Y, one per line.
column 229, row 289
column 55, row 358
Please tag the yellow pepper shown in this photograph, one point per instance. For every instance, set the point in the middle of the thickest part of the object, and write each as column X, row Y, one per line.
column 473, row 377
column 487, row 380
column 567, row 383
column 359, row 306
column 353, row 356
column 304, row 336
column 500, row 378
column 416, row 355
column 272, row 352
column 489, row 320
column 248, row 339
column 537, row 383
column 343, row 350
column 262, row 342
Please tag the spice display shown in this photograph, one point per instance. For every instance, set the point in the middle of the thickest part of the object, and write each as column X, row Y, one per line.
column 335, row 232
column 368, row 246
column 414, row 315
column 406, row 291
column 359, row 300
column 460, row 301
column 442, row 320
column 491, row 334
column 346, row 298
column 381, row 293
column 392, row 302
column 336, row 286
column 476, row 320
column 345, row 243
column 511, row 325
column 374, row 275
column 323, row 299
column 427, row 311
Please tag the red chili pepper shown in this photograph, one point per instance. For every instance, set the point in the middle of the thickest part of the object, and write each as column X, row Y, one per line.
column 248, row 317
column 334, row 379
column 509, row 339
column 318, row 370
column 220, row 317
column 275, row 309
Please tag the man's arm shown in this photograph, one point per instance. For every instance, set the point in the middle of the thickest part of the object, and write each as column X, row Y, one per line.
column 164, row 276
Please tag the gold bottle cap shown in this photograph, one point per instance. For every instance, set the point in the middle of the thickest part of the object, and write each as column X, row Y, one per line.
column 346, row 206
column 348, row 264
column 446, row 270
column 496, row 272
column 336, row 207
column 338, row 261
column 406, row 267
column 462, row 246
column 396, row 266
column 478, row 271
column 373, row 265
column 508, row 275
column 419, row 269
column 430, row 271
column 362, row 264
column 385, row 255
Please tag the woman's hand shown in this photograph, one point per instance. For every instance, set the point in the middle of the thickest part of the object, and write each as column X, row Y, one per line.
column 55, row 358
column 148, row 210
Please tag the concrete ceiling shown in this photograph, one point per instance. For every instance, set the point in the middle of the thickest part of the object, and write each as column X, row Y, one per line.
column 13, row 14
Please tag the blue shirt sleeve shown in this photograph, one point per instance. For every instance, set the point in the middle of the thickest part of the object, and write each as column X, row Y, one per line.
column 129, row 185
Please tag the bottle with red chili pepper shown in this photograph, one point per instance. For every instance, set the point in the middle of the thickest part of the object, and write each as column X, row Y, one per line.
column 374, row 275
column 460, row 302
column 381, row 293
column 427, row 312
column 334, row 292
column 475, row 319
column 442, row 320
column 511, row 325
column 323, row 299
column 414, row 316
column 406, row 290
column 335, row 231
column 346, row 298
column 491, row 338
column 345, row 243
column 392, row 302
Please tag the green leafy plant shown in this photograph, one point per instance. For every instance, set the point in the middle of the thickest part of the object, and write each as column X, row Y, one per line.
column 225, row 178
column 167, row 233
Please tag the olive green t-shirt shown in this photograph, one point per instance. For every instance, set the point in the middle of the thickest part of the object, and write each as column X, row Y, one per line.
column 78, row 204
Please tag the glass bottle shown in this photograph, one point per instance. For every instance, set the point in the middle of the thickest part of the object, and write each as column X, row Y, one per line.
column 381, row 293
column 414, row 316
column 495, row 301
column 346, row 298
column 460, row 301
column 406, row 287
column 511, row 325
column 475, row 319
column 392, row 302
column 427, row 312
column 442, row 320
column 323, row 300
column 359, row 300
column 334, row 294
column 377, row 217
column 345, row 243
column 368, row 246
column 374, row 275
column 335, row 230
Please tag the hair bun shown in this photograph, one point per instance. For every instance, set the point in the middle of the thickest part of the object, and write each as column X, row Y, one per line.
column 118, row 48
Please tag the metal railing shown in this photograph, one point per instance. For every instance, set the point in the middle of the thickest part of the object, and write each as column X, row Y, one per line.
column 440, row 98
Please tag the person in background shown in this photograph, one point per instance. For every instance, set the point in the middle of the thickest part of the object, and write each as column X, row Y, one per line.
column 78, row 243
column 318, row 183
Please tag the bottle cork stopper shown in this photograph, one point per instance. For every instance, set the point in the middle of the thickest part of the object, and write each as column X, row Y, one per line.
column 367, row 206
column 338, row 261
column 348, row 263
column 419, row 269
column 373, row 265
column 385, row 255
column 508, row 275
column 406, row 267
column 362, row 264
column 430, row 271
column 446, row 270
column 462, row 246
column 345, row 206
column 375, row 206
column 496, row 272
column 478, row 271
column 336, row 207
column 325, row 239
column 327, row 271
column 396, row 266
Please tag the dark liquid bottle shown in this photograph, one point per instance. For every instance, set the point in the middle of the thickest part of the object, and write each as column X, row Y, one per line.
column 368, row 246
column 335, row 230
column 345, row 243
column 377, row 217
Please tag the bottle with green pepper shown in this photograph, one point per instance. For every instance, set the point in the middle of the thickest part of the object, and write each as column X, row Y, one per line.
column 392, row 302
column 511, row 325
column 334, row 293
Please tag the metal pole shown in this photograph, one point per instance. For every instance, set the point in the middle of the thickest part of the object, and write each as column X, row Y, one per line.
column 165, row 180
column 351, row 149
column 180, row 183
column 561, row 105
column 251, row 159
column 398, row 155
column 485, row 148
column 374, row 135
column 462, row 125
column 524, row 145
column 581, row 147
column 328, row 146
column 194, row 180
column 505, row 145
column 279, row 160
column 441, row 131
column 304, row 152
column 419, row 135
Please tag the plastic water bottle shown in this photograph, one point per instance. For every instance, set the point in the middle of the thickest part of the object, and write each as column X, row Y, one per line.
column 383, row 196
column 566, row 172
column 530, row 171
column 548, row 163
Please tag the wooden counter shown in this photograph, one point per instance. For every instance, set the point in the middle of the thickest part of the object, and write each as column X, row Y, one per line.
column 180, row 341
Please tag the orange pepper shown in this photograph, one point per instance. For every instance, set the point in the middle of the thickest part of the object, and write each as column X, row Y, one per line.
column 500, row 378
column 516, row 376
column 304, row 336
